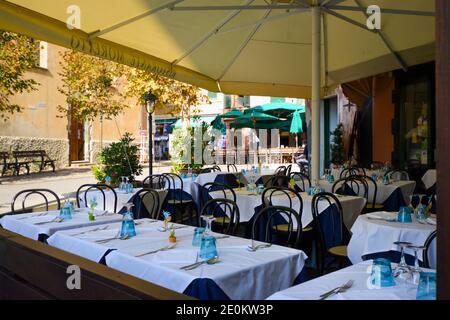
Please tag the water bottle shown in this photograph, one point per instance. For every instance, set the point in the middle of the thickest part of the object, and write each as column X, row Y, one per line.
column 66, row 212
column 128, row 228
column 190, row 172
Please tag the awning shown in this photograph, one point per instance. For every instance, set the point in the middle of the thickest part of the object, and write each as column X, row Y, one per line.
column 194, row 122
column 229, row 46
column 165, row 121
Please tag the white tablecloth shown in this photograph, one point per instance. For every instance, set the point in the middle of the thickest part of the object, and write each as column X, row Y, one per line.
column 429, row 178
column 246, row 201
column 361, row 289
column 383, row 191
column 24, row 224
column 240, row 274
column 372, row 236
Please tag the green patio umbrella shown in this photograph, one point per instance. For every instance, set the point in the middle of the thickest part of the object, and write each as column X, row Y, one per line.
column 253, row 119
column 296, row 126
column 296, row 123
column 280, row 109
column 219, row 125
column 234, row 113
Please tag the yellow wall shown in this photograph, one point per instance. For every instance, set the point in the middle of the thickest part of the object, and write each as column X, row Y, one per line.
column 38, row 118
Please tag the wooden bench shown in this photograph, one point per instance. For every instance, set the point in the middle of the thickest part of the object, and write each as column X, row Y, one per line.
column 33, row 270
column 4, row 157
column 25, row 158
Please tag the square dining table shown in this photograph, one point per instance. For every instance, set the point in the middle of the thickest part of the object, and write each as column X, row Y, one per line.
column 360, row 290
column 41, row 225
column 239, row 274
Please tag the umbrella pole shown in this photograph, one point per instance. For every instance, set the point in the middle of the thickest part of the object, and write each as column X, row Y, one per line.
column 315, row 103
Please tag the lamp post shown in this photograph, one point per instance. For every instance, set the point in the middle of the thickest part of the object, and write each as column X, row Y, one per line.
column 150, row 101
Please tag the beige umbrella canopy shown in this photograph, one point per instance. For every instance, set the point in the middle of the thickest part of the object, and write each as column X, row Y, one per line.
column 295, row 48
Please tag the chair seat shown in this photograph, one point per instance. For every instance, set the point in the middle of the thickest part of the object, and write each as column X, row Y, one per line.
column 377, row 206
column 285, row 228
column 176, row 201
column 222, row 220
column 340, row 251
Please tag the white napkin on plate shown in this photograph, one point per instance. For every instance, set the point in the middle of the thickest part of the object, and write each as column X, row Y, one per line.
column 383, row 215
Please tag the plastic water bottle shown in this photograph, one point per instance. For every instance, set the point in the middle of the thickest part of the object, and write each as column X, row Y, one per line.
column 66, row 211
column 128, row 228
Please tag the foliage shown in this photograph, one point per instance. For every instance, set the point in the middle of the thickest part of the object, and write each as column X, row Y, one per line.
column 182, row 138
column 18, row 54
column 99, row 173
column 91, row 86
column 337, row 148
column 120, row 159
column 167, row 91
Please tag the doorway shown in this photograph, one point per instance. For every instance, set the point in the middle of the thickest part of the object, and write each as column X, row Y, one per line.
column 414, row 125
column 76, row 137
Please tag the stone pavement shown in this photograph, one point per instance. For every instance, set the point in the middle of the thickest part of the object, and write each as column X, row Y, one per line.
column 64, row 181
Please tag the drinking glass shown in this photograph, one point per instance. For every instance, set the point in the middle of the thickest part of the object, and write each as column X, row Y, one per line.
column 381, row 275
column 198, row 234
column 427, row 286
column 208, row 248
column 421, row 213
column 65, row 213
column 404, row 215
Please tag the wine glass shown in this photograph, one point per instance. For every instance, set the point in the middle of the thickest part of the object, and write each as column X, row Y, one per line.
column 208, row 220
column 416, row 270
column 402, row 268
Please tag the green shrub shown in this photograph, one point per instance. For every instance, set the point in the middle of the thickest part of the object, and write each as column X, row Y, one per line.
column 119, row 159
column 99, row 173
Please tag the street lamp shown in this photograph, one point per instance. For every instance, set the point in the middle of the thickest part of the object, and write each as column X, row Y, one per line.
column 150, row 101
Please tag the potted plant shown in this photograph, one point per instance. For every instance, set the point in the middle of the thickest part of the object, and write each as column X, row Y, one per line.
column 119, row 159
column 337, row 147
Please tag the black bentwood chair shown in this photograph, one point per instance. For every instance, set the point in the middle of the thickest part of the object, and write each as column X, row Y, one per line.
column 146, row 204
column 291, row 236
column 46, row 194
column 218, row 208
column 83, row 191
column 330, row 232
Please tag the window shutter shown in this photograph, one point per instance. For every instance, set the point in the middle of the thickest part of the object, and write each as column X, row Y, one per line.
column 246, row 101
column 227, row 101
column 43, row 55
